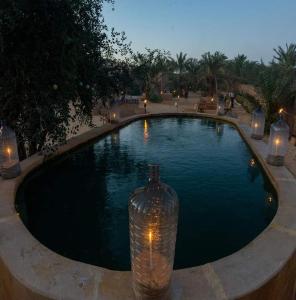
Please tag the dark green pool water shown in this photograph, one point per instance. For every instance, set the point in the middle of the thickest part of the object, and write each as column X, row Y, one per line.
column 77, row 205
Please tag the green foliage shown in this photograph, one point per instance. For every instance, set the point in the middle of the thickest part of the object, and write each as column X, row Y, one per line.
column 212, row 67
column 56, row 60
column 193, row 73
column 286, row 58
column 155, row 98
column 148, row 68
column 278, row 81
column 180, row 69
column 248, row 102
column 180, row 63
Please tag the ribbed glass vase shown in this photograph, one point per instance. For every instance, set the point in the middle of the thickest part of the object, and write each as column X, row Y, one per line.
column 221, row 106
column 258, row 124
column 153, row 219
column 9, row 158
column 278, row 142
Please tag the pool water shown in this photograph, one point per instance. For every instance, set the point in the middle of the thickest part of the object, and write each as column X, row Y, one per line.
column 77, row 205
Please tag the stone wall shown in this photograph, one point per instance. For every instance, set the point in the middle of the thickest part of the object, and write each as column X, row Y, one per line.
column 281, row 287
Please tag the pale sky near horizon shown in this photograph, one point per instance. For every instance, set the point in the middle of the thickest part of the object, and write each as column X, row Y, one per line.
column 197, row 26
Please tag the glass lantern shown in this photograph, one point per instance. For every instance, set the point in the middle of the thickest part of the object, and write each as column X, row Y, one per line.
column 153, row 219
column 9, row 164
column 221, row 106
column 114, row 117
column 278, row 142
column 258, row 124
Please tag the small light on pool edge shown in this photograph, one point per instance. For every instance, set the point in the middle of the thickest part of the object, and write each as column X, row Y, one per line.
column 252, row 162
column 269, row 199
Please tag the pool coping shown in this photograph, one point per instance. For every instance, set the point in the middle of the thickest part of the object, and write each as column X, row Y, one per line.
column 36, row 272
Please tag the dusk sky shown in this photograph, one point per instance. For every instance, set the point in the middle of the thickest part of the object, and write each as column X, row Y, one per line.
column 252, row 27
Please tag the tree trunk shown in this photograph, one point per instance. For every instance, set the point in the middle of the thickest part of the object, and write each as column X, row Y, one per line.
column 32, row 148
column 216, row 85
column 22, row 150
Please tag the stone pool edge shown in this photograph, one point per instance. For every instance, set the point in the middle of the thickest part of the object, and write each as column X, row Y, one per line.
column 265, row 267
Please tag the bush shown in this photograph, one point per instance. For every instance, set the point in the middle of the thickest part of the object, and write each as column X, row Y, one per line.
column 155, row 98
column 248, row 104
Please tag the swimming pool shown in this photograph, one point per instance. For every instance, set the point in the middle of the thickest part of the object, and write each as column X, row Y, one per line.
column 77, row 205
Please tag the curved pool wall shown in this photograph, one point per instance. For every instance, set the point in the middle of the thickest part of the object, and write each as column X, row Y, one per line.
column 225, row 199
column 264, row 269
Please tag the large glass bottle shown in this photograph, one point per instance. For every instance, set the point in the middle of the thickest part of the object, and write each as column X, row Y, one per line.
column 9, row 164
column 278, row 142
column 153, row 219
column 258, row 124
column 221, row 106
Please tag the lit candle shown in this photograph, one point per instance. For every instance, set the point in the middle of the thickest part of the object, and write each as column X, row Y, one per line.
column 176, row 105
column 150, row 249
column 277, row 143
column 114, row 115
column 9, row 154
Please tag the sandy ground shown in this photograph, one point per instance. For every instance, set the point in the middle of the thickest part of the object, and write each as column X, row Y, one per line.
column 189, row 105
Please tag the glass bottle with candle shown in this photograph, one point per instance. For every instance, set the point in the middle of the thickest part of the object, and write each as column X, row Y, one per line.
column 221, row 106
column 278, row 142
column 258, row 124
column 10, row 166
column 153, row 219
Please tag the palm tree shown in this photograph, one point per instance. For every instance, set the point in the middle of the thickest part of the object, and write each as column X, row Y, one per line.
column 180, row 68
column 181, row 62
column 212, row 65
column 286, row 58
column 239, row 64
column 193, row 71
column 147, row 67
column 163, row 66
column 278, row 89
column 239, row 70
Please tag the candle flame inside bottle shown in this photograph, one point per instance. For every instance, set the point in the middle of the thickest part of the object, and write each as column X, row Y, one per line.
column 150, row 237
column 8, row 150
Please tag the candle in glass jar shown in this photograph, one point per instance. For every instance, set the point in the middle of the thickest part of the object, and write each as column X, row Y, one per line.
column 277, row 142
column 8, row 150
